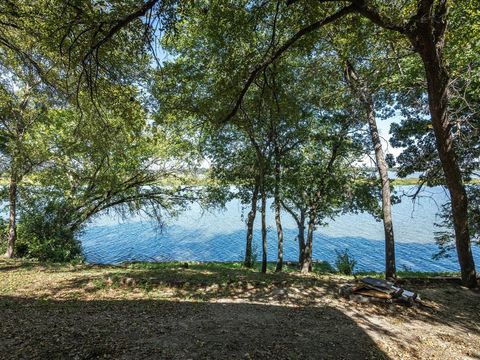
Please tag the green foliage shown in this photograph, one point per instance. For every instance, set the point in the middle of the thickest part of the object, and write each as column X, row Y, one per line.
column 94, row 144
column 445, row 235
column 323, row 267
column 344, row 262
column 108, row 161
column 44, row 235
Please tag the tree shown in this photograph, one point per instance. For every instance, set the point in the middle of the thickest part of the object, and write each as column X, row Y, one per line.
column 21, row 118
column 232, row 160
column 322, row 179
column 424, row 24
column 74, row 46
column 115, row 162
column 368, row 69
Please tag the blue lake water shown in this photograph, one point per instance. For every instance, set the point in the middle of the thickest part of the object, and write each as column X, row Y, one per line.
column 219, row 235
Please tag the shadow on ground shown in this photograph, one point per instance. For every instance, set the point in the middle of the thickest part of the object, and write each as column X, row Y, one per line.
column 198, row 282
column 446, row 302
column 153, row 329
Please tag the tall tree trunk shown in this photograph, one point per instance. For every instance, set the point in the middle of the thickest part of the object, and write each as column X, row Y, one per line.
column 248, row 262
column 264, row 224
column 426, row 32
column 360, row 88
column 12, row 220
column 301, row 238
column 428, row 38
column 262, row 163
column 382, row 167
column 437, row 80
column 278, row 220
column 307, row 260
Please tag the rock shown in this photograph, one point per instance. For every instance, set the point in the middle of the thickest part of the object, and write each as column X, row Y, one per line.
column 128, row 282
column 213, row 287
column 345, row 290
column 277, row 292
column 90, row 287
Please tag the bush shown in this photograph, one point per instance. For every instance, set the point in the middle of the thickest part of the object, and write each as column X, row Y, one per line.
column 344, row 262
column 50, row 249
column 46, row 236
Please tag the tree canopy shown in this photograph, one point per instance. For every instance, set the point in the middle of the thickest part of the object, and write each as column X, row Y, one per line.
column 116, row 105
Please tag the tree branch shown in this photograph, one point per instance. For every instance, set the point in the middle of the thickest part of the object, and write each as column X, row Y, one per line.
column 361, row 6
column 289, row 43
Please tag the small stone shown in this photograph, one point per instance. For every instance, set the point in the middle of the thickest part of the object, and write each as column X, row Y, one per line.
column 277, row 292
column 128, row 281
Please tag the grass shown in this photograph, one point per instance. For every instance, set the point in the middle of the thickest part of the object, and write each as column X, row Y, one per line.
column 416, row 181
column 410, row 274
column 404, row 182
column 288, row 267
column 194, row 271
column 177, row 281
column 202, row 309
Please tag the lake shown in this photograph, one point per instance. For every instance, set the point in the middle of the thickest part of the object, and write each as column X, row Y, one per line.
column 219, row 235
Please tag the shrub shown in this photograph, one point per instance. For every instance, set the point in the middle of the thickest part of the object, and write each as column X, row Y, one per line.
column 46, row 236
column 345, row 262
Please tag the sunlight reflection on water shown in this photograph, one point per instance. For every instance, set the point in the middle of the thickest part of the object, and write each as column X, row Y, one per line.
column 220, row 236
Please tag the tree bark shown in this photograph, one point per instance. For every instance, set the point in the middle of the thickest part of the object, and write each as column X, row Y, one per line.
column 301, row 237
column 278, row 220
column 382, row 167
column 427, row 37
column 300, row 220
column 437, row 80
column 264, row 224
column 426, row 32
column 361, row 89
column 307, row 260
column 248, row 262
column 12, row 219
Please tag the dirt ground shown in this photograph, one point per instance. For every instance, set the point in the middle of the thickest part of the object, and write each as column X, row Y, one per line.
column 212, row 312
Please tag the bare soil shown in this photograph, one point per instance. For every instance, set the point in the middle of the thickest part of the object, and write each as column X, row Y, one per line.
column 214, row 312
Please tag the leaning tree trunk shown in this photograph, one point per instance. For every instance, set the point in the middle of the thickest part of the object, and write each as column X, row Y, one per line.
column 278, row 220
column 263, row 211
column 12, row 219
column 248, row 262
column 437, row 80
column 428, row 40
column 363, row 92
